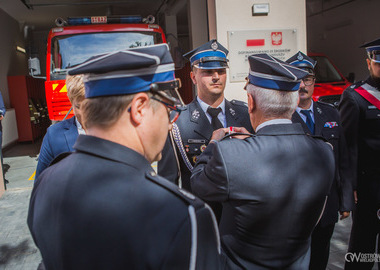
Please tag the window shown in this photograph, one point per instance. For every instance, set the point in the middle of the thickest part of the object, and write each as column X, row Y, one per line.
column 325, row 72
column 71, row 50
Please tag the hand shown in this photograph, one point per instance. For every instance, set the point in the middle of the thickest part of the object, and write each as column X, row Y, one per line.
column 219, row 134
column 355, row 196
column 240, row 130
column 344, row 215
column 1, row 117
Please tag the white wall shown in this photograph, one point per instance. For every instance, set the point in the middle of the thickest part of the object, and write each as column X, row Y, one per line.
column 237, row 15
column 340, row 31
column 10, row 133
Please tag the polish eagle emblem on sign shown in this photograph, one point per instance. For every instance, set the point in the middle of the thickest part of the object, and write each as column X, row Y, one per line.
column 276, row 38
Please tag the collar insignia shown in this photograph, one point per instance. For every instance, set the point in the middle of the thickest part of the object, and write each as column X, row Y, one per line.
column 195, row 115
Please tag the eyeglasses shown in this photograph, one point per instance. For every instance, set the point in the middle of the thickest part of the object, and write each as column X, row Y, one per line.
column 374, row 56
column 173, row 112
column 308, row 80
column 168, row 90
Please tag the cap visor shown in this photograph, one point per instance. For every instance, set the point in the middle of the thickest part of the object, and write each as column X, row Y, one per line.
column 211, row 65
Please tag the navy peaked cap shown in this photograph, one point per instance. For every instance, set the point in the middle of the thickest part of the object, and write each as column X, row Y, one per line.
column 269, row 72
column 211, row 55
column 303, row 61
column 372, row 46
column 126, row 72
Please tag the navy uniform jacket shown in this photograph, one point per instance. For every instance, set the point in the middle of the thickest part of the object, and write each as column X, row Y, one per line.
column 361, row 124
column 196, row 132
column 103, row 207
column 59, row 138
column 274, row 186
column 328, row 125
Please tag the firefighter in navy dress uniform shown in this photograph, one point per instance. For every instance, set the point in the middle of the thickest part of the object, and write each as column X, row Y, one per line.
column 207, row 112
column 60, row 137
column 360, row 113
column 323, row 119
column 103, row 206
column 265, row 182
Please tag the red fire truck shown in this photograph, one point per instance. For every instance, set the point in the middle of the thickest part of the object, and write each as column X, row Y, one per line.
column 330, row 83
column 75, row 40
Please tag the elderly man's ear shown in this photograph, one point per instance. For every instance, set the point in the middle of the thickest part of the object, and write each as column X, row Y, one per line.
column 251, row 104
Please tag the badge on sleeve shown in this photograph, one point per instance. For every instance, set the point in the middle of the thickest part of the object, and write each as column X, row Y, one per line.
column 331, row 124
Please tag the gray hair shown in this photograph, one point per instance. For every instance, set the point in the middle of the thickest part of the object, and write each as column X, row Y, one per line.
column 274, row 103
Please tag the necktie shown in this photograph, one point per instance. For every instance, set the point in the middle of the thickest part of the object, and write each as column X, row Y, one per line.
column 213, row 112
column 309, row 121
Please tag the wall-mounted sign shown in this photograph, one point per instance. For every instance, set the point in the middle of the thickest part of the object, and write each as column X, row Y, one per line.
column 260, row 9
column 281, row 44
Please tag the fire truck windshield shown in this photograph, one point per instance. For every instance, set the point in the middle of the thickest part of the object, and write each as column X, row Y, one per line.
column 71, row 50
column 325, row 72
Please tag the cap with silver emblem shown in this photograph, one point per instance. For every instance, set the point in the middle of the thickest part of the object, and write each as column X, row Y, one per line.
column 271, row 73
column 303, row 61
column 211, row 55
column 373, row 50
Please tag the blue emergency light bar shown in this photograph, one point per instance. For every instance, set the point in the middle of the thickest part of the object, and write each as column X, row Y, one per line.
column 104, row 20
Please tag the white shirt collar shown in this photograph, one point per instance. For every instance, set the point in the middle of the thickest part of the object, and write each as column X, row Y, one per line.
column 205, row 106
column 273, row 122
column 79, row 127
column 298, row 109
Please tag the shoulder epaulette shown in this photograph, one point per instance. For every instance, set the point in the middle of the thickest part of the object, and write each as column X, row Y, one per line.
column 239, row 103
column 317, row 137
column 184, row 107
column 356, row 85
column 325, row 104
column 184, row 195
column 60, row 157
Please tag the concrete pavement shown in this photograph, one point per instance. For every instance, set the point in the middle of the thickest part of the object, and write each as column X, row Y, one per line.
column 17, row 249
